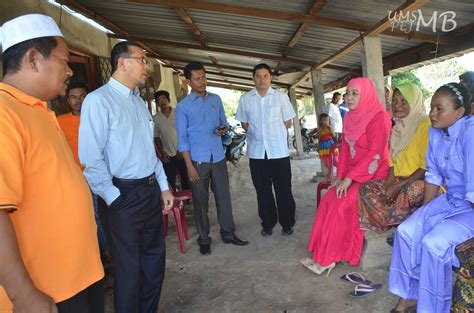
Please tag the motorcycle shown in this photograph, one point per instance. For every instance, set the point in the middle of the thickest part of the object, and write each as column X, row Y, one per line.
column 309, row 138
column 233, row 142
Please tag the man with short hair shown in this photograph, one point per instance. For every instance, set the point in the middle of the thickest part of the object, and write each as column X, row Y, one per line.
column 266, row 115
column 200, row 122
column 343, row 108
column 335, row 115
column 166, row 140
column 49, row 257
column 69, row 123
column 116, row 148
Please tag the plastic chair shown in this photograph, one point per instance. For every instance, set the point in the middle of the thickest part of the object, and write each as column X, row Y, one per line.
column 177, row 211
column 325, row 184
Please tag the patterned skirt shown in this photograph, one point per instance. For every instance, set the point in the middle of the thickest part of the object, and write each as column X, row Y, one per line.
column 463, row 291
column 378, row 211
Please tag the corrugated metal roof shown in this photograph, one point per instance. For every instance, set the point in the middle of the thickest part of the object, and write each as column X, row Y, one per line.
column 269, row 36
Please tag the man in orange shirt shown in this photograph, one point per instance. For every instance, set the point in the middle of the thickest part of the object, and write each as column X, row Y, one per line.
column 49, row 256
column 69, row 122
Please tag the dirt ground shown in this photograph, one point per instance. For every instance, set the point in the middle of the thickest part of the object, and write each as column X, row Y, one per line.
column 266, row 275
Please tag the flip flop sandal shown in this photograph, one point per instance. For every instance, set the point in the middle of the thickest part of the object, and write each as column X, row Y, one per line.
column 363, row 290
column 355, row 278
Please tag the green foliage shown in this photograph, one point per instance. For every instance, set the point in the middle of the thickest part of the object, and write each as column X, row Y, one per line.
column 408, row 78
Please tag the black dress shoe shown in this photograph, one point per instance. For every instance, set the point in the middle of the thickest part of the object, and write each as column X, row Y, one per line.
column 236, row 241
column 266, row 232
column 205, row 249
column 287, row 231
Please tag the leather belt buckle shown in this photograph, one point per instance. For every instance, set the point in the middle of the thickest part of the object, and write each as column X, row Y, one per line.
column 151, row 179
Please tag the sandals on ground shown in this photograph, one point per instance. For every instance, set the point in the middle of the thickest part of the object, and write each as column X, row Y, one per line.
column 363, row 290
column 355, row 278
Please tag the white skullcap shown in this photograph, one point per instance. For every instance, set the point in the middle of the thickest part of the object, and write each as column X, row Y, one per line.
column 27, row 27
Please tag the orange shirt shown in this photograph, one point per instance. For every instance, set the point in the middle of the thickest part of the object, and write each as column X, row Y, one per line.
column 69, row 123
column 48, row 199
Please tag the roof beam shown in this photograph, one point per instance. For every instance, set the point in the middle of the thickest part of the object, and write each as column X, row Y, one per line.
column 91, row 14
column 281, row 15
column 382, row 25
column 230, row 51
column 247, row 78
column 220, row 50
column 315, row 9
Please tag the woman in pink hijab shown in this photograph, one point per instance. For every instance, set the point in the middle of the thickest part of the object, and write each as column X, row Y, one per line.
column 336, row 234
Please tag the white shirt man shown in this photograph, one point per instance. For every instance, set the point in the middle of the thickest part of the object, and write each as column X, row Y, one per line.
column 335, row 114
column 266, row 114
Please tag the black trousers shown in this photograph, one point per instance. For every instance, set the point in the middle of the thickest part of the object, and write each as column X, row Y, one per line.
column 90, row 300
column 170, row 167
column 276, row 172
column 135, row 225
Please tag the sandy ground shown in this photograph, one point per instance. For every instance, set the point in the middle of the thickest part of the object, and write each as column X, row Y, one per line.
column 266, row 275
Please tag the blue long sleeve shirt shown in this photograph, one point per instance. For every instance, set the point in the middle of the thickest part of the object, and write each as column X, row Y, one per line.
column 116, row 140
column 197, row 119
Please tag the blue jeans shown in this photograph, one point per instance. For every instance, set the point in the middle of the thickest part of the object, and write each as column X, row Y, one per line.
column 103, row 246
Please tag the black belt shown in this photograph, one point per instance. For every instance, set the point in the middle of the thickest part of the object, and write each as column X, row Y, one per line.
column 140, row 181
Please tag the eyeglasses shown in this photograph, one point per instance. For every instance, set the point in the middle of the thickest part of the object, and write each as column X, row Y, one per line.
column 144, row 60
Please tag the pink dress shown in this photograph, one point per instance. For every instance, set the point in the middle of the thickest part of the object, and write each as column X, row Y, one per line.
column 336, row 234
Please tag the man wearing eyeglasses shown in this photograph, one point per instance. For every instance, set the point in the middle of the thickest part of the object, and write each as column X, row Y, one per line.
column 117, row 151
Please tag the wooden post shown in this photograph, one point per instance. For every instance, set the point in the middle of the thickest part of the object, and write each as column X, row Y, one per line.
column 372, row 64
column 296, row 122
column 319, row 105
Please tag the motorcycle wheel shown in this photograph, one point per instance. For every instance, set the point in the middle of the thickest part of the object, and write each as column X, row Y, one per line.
column 306, row 147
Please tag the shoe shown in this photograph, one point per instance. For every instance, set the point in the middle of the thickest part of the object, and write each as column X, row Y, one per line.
column 205, row 249
column 316, row 268
column 266, row 232
column 236, row 241
column 287, row 231
column 363, row 290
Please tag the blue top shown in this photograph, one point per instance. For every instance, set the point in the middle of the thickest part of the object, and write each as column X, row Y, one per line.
column 197, row 119
column 343, row 108
column 449, row 161
column 116, row 140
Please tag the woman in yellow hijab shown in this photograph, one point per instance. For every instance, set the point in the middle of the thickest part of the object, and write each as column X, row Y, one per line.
column 385, row 203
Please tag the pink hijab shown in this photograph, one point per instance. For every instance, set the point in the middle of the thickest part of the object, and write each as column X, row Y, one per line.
column 355, row 121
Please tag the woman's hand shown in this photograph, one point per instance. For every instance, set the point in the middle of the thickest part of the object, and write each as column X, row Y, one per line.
column 393, row 190
column 342, row 187
column 335, row 183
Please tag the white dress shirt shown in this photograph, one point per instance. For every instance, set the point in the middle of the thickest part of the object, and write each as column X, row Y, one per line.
column 336, row 118
column 266, row 117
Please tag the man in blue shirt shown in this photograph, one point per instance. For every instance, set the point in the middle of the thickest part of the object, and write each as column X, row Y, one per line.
column 117, row 151
column 200, row 123
column 343, row 108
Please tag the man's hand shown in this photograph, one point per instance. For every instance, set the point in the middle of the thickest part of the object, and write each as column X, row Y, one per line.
column 168, row 199
column 221, row 130
column 193, row 174
column 34, row 301
column 165, row 158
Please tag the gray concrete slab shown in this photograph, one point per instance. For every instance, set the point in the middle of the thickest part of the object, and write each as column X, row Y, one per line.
column 265, row 276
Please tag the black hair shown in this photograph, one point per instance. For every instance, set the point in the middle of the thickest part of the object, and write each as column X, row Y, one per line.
column 468, row 79
column 260, row 66
column 459, row 94
column 162, row 93
column 321, row 117
column 335, row 95
column 12, row 57
column 192, row 66
column 75, row 85
column 120, row 50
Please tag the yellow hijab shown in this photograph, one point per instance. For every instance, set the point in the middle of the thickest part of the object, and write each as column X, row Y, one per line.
column 403, row 133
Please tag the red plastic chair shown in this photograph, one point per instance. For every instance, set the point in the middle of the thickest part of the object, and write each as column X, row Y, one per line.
column 325, row 184
column 177, row 211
